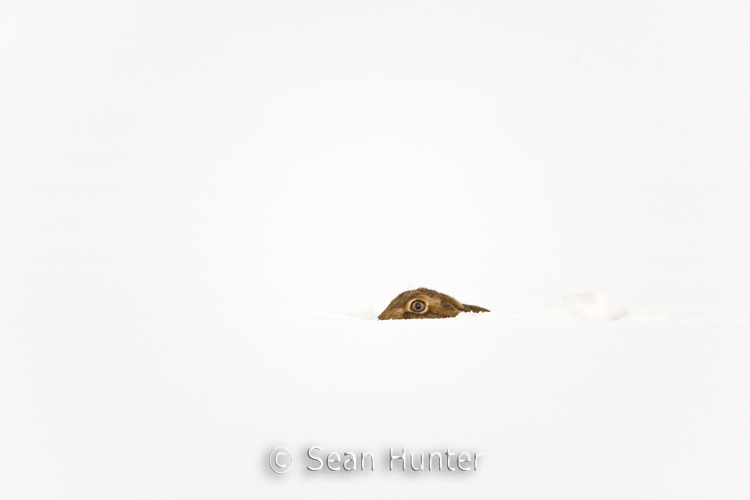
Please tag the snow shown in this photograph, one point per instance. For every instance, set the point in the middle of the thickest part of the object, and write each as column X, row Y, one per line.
column 594, row 305
column 189, row 406
column 204, row 207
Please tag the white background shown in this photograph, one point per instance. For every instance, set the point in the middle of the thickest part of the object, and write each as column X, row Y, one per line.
column 203, row 205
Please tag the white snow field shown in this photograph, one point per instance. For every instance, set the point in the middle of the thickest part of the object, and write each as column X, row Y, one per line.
column 190, row 405
column 204, row 206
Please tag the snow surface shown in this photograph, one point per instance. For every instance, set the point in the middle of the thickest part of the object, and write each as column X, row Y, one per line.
column 189, row 406
column 204, row 205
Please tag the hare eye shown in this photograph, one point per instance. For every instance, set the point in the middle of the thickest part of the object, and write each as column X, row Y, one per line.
column 418, row 306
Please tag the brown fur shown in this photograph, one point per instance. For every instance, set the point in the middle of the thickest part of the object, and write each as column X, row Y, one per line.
column 438, row 305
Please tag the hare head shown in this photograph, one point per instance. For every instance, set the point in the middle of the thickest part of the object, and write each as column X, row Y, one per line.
column 425, row 303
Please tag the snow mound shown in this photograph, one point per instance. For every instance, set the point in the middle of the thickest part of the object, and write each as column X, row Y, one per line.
column 593, row 305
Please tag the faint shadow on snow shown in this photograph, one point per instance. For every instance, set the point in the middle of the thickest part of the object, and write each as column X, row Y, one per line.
column 591, row 305
column 369, row 313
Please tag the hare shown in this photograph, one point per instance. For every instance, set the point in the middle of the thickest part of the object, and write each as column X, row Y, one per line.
column 425, row 303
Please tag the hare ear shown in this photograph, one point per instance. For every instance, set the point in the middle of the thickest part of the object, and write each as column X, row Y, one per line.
column 474, row 309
